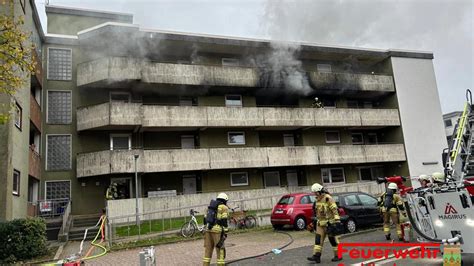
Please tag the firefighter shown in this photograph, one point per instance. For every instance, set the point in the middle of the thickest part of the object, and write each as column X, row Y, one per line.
column 439, row 178
column 390, row 203
column 216, row 234
column 111, row 192
column 317, row 103
column 424, row 181
column 328, row 223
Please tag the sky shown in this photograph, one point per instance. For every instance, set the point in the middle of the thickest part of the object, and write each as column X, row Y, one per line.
column 444, row 27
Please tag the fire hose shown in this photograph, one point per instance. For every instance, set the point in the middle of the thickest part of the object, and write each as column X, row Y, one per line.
column 101, row 232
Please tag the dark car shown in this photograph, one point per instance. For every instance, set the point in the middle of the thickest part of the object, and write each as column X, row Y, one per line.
column 355, row 208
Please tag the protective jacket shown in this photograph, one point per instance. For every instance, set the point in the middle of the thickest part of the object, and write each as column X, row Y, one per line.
column 326, row 210
column 393, row 206
column 222, row 216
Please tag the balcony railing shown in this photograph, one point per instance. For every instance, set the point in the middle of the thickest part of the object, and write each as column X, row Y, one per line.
column 122, row 161
column 108, row 70
column 35, row 113
column 34, row 168
column 107, row 115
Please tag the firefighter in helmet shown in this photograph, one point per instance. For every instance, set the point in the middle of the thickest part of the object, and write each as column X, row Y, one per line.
column 327, row 221
column 439, row 178
column 391, row 205
column 317, row 103
column 217, row 227
column 424, row 181
column 111, row 192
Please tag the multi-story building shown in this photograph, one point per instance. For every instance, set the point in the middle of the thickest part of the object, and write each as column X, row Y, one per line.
column 20, row 137
column 212, row 113
column 450, row 121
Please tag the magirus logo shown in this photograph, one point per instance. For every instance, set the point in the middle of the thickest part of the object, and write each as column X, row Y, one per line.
column 450, row 213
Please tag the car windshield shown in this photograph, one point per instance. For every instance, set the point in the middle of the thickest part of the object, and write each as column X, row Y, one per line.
column 336, row 199
column 286, row 200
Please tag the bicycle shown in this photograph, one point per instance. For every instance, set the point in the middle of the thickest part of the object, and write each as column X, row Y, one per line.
column 189, row 228
column 241, row 220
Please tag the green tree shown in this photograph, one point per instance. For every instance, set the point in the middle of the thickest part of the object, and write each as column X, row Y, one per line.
column 15, row 52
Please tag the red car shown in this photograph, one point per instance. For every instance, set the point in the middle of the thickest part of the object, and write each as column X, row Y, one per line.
column 293, row 209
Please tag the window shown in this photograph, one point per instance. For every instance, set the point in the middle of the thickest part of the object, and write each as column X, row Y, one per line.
column 333, row 137
column 58, row 152
column 333, row 175
column 329, row 103
column 372, row 138
column 18, row 116
column 357, row 138
column 351, row 200
column 370, row 173
column 58, row 190
column 288, row 140
column 272, row 179
column 120, row 142
column 367, row 200
column 59, row 64
column 59, row 107
column 236, row 138
column 324, row 68
column 286, row 200
column 230, row 62
column 123, row 97
column 187, row 142
column 239, row 179
column 448, row 123
column 233, row 100
column 307, row 200
column 16, row 182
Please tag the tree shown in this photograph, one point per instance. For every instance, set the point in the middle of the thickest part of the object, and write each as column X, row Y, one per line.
column 15, row 54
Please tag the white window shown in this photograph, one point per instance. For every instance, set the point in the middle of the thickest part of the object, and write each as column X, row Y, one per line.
column 236, row 138
column 272, row 179
column 120, row 141
column 59, row 107
column 448, row 123
column 324, row 68
column 333, row 175
column 333, row 137
column 58, row 152
column 230, row 62
column 233, row 100
column 288, row 140
column 55, row 190
column 239, row 179
column 372, row 138
column 370, row 173
column 357, row 138
column 18, row 115
column 16, row 182
column 187, row 142
column 59, row 64
column 120, row 97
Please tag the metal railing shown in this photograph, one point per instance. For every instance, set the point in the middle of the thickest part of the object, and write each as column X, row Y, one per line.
column 66, row 215
column 51, row 208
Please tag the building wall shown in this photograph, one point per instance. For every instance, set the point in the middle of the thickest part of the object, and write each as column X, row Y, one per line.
column 415, row 83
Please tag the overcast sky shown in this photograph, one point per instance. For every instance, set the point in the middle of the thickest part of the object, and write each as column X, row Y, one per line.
column 444, row 27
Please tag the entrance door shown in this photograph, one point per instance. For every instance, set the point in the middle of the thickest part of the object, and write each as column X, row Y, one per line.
column 292, row 178
column 189, row 184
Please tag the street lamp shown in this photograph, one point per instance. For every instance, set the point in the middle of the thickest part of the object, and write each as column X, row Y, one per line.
column 136, row 191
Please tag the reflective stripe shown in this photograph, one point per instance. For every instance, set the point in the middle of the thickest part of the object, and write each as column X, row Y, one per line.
column 386, row 229
column 206, row 259
column 317, row 248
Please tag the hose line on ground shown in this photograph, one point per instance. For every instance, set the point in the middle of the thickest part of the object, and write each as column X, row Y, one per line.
column 104, row 249
column 263, row 254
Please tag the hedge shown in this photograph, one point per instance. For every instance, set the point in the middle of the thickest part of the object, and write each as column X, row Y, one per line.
column 22, row 239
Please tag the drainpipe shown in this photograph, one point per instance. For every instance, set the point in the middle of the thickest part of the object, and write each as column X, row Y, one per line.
column 136, row 191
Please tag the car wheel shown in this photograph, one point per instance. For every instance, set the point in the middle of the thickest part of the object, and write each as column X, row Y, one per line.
column 300, row 223
column 277, row 226
column 351, row 225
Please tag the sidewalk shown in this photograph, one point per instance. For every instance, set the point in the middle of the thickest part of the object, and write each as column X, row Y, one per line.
column 191, row 252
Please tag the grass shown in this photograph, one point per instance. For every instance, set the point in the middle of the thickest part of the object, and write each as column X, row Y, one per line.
column 154, row 226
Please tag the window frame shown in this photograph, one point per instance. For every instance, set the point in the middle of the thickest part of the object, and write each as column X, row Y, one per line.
column 18, row 185
column 18, row 115
column 320, row 68
column 359, row 168
column 52, row 181
column 47, row 60
column 271, row 172
column 362, row 138
column 242, row 184
column 230, row 95
column 112, row 135
column 450, row 123
column 120, row 93
column 47, row 106
column 235, row 132
column 70, row 153
column 330, row 175
column 332, row 141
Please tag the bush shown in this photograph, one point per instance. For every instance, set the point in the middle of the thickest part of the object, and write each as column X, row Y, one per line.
column 22, row 239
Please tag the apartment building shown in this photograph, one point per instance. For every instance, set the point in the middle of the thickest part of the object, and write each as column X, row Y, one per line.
column 20, row 137
column 450, row 121
column 195, row 113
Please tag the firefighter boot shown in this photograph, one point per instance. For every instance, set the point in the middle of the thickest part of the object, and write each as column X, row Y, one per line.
column 387, row 236
column 316, row 258
column 336, row 258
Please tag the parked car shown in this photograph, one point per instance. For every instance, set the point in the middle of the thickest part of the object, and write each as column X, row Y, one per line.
column 355, row 209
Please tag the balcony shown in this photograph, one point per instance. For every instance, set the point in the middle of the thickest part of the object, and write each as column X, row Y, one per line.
column 122, row 161
column 34, row 168
column 121, row 115
column 108, row 71
column 35, row 113
column 38, row 67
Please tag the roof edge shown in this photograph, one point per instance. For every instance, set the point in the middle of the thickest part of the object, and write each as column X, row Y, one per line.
column 126, row 17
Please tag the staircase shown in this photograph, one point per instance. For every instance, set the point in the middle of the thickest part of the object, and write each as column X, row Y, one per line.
column 53, row 225
column 80, row 224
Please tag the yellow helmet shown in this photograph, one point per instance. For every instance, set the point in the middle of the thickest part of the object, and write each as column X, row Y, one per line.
column 438, row 177
column 316, row 187
column 223, row 196
column 392, row 186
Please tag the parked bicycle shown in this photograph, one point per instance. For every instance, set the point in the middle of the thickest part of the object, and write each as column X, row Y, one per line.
column 189, row 228
column 240, row 220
